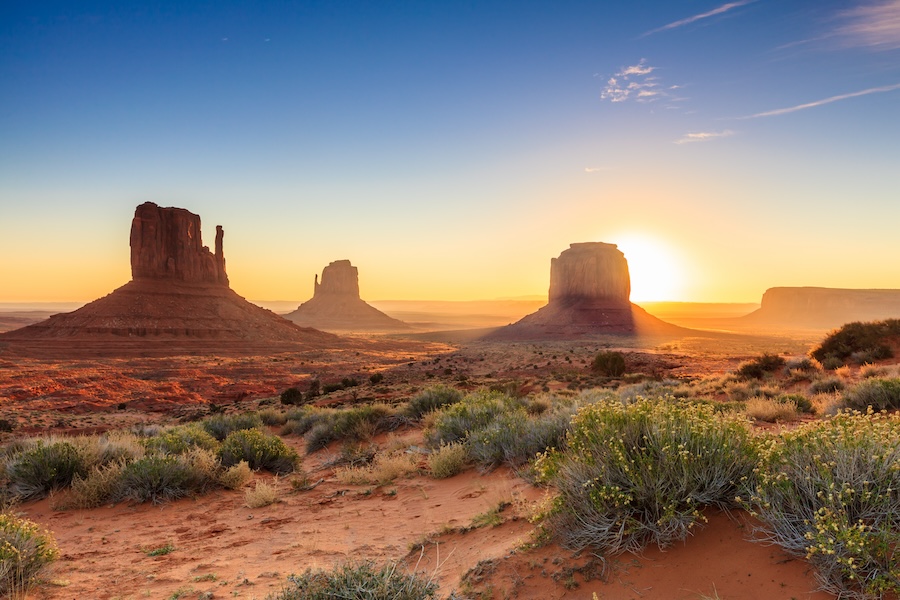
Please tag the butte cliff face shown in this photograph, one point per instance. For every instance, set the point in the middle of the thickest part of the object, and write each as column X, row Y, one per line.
column 337, row 306
column 823, row 308
column 589, row 295
column 166, row 244
column 178, row 300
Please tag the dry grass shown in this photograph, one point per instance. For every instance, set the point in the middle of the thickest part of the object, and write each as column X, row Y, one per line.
column 771, row 410
column 236, row 476
column 448, row 460
column 262, row 494
column 385, row 468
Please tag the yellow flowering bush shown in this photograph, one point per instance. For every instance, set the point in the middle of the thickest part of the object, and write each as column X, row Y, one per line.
column 634, row 474
column 25, row 550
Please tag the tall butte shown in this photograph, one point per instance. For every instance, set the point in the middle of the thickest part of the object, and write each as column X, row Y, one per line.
column 590, row 290
column 177, row 301
column 337, row 306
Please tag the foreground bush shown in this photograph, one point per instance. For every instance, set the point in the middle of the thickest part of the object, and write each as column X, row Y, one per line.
column 164, row 478
column 44, row 468
column 828, row 491
column 641, row 473
column 363, row 581
column 609, row 364
column 25, row 551
column 432, row 399
column 260, row 450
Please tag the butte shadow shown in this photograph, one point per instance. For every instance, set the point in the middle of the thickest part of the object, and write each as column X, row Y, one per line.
column 590, row 290
column 336, row 305
column 178, row 302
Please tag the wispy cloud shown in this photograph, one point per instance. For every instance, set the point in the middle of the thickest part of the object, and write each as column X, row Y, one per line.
column 716, row 11
column 874, row 25
column 784, row 111
column 703, row 136
column 633, row 83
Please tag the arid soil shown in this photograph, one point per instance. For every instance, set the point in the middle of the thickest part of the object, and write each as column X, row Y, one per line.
column 223, row 547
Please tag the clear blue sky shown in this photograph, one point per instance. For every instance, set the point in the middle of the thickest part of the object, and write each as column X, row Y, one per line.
column 450, row 149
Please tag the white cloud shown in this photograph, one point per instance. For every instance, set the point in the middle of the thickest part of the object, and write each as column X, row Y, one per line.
column 633, row 83
column 874, row 25
column 790, row 109
column 716, row 11
column 703, row 136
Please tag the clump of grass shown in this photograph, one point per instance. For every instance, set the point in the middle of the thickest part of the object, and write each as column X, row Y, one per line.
column 448, row 460
column 235, row 476
column 475, row 412
column 828, row 491
column 26, row 550
column 321, row 426
column 609, row 363
column 641, row 473
column 771, row 410
column 358, row 581
column 167, row 548
column 759, row 367
column 262, row 494
column 515, row 437
column 98, row 487
column 272, row 416
column 432, row 399
column 259, row 449
column 879, row 393
column 385, row 468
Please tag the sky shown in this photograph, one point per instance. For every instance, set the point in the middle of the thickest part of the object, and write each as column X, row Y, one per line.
column 451, row 149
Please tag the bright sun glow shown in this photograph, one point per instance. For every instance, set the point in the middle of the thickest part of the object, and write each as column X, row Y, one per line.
column 654, row 267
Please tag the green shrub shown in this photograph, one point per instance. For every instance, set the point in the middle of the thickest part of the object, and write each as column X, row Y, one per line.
column 181, row 439
column 332, row 387
column 220, row 426
column 826, row 385
column 879, row 393
column 362, row 581
column 375, row 378
column 25, row 551
column 609, row 364
column 827, row 491
column 159, row 479
column 641, row 473
column 758, row 367
column 291, row 396
column 261, row 451
column 473, row 413
column 799, row 400
column 325, row 425
column 44, row 468
column 869, row 341
column 271, row 416
column 432, row 399
column 515, row 438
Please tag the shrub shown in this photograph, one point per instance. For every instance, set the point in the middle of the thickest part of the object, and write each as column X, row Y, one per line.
column 432, row 399
column 473, row 413
column 235, row 476
column 100, row 486
column 640, row 473
column 759, row 366
column 25, row 551
column 609, row 364
column 362, row 581
column 181, row 439
column 802, row 403
column 348, row 382
column 271, row 416
column 826, row 385
column 385, row 468
column 44, row 468
column 159, row 479
column 771, row 410
column 448, row 460
column 880, row 394
column 291, row 396
column 323, row 426
column 375, row 378
column 869, row 341
column 220, row 426
column 515, row 438
column 260, row 450
column 827, row 491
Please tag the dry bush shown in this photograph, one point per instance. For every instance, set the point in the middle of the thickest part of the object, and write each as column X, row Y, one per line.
column 869, row 370
column 236, row 476
column 771, row 410
column 828, row 404
column 844, row 372
column 97, row 488
column 262, row 494
column 384, row 469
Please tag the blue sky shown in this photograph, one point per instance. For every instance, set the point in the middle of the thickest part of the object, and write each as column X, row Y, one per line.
column 450, row 149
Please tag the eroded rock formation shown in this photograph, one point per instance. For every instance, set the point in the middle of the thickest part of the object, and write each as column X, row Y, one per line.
column 824, row 308
column 166, row 244
column 589, row 295
column 336, row 305
column 178, row 300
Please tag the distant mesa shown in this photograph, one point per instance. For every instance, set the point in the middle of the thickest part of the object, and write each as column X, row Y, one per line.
column 336, row 305
column 178, row 300
column 823, row 308
column 590, row 290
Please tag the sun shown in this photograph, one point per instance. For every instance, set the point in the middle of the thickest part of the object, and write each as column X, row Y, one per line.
column 654, row 266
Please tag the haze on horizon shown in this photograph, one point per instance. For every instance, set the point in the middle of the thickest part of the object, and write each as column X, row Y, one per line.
column 451, row 151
